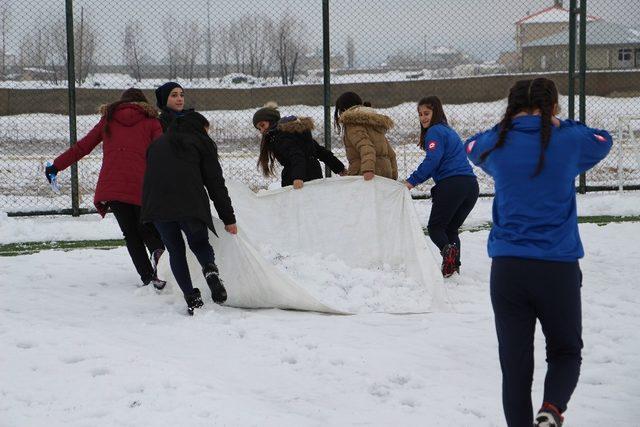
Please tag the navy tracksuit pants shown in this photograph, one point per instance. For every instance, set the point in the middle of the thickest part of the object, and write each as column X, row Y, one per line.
column 452, row 200
column 523, row 290
column 198, row 239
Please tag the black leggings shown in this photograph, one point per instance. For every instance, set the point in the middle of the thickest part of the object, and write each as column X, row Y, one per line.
column 452, row 200
column 198, row 238
column 523, row 290
column 137, row 235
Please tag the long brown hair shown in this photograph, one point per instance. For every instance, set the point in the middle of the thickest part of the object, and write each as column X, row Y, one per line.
column 266, row 159
column 527, row 96
column 437, row 116
column 129, row 95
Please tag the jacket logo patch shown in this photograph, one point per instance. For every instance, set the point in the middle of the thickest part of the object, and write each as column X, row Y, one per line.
column 470, row 146
column 600, row 138
column 432, row 145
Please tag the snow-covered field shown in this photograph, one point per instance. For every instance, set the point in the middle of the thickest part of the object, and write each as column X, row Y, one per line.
column 83, row 346
column 29, row 141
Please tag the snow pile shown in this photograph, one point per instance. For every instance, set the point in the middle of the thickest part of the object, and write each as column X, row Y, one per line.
column 355, row 246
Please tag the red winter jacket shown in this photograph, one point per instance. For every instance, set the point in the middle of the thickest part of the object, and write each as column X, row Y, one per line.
column 132, row 128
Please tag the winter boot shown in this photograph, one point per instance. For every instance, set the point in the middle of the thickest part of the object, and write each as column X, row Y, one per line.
column 155, row 258
column 449, row 259
column 158, row 284
column 548, row 416
column 218, row 292
column 194, row 300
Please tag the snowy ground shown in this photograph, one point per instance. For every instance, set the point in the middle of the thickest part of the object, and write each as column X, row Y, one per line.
column 82, row 345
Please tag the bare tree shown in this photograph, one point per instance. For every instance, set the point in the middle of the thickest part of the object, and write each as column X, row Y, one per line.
column 238, row 43
column 190, row 49
column 223, row 48
column 132, row 49
column 5, row 9
column 351, row 52
column 85, row 47
column 173, row 49
column 256, row 29
column 287, row 45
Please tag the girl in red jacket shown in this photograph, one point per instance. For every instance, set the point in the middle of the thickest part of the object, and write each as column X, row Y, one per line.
column 127, row 127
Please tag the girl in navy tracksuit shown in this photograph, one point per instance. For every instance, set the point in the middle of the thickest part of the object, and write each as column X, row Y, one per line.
column 456, row 190
column 534, row 159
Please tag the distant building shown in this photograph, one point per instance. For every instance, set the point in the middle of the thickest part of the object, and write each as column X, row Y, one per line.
column 610, row 46
column 544, row 23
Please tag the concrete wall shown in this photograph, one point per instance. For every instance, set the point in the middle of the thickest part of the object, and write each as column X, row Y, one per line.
column 381, row 94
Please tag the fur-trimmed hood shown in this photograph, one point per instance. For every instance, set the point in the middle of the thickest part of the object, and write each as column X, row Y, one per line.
column 366, row 116
column 148, row 109
column 296, row 124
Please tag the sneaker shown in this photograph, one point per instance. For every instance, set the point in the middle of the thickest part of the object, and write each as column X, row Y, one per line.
column 548, row 416
column 449, row 259
column 194, row 300
column 218, row 292
column 155, row 259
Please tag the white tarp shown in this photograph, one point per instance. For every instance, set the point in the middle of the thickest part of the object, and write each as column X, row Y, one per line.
column 370, row 225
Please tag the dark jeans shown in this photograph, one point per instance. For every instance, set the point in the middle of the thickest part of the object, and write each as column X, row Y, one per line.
column 198, row 239
column 523, row 290
column 137, row 235
column 452, row 200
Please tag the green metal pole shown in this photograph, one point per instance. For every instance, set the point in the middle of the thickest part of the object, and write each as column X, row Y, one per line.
column 326, row 62
column 582, row 188
column 571, row 92
column 71, row 85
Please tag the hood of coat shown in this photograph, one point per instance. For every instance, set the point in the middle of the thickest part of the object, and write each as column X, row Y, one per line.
column 366, row 116
column 130, row 113
column 296, row 125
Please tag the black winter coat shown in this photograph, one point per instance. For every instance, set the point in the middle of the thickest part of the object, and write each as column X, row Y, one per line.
column 181, row 164
column 298, row 153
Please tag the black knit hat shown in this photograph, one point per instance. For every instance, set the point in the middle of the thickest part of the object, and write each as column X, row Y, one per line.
column 268, row 113
column 162, row 93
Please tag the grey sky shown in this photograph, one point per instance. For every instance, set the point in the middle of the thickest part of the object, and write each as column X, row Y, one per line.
column 482, row 28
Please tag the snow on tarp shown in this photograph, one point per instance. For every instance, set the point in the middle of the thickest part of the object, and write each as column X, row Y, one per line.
column 337, row 245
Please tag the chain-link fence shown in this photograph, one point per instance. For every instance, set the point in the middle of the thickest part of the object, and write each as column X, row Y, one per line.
column 233, row 56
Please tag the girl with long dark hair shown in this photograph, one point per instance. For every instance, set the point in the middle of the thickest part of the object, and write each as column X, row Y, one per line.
column 534, row 243
column 456, row 188
column 289, row 141
column 127, row 127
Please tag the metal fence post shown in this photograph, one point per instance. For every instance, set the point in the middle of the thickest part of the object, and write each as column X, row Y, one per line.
column 582, row 188
column 71, row 85
column 572, row 61
column 326, row 62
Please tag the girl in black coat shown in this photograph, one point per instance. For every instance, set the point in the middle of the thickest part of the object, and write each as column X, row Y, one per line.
column 170, row 101
column 289, row 141
column 182, row 173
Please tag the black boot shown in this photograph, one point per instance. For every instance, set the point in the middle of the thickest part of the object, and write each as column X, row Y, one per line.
column 449, row 259
column 218, row 292
column 194, row 300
